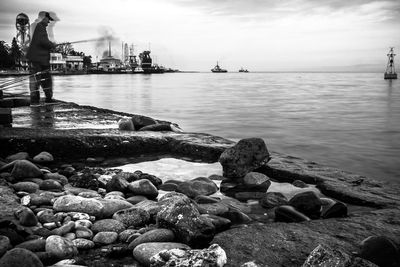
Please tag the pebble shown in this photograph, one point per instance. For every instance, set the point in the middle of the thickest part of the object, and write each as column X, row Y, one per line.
column 105, row 238
column 5, row 244
column 20, row 257
column 60, row 247
column 108, row 225
column 83, row 244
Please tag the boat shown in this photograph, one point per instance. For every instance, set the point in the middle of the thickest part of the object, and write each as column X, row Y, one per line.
column 390, row 73
column 243, row 70
column 146, row 63
column 217, row 68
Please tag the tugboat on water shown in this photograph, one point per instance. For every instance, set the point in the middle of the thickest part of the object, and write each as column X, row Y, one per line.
column 390, row 70
column 243, row 70
column 146, row 63
column 218, row 69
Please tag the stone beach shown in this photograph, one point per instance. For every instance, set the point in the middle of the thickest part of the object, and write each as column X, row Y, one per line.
column 66, row 202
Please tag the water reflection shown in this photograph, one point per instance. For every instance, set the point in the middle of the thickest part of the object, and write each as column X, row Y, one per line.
column 42, row 116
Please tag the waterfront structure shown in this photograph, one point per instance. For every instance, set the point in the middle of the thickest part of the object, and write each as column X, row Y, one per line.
column 65, row 64
column 109, row 63
column 390, row 68
column 23, row 37
column 217, row 69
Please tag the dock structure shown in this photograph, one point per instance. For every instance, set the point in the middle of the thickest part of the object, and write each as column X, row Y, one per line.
column 390, row 69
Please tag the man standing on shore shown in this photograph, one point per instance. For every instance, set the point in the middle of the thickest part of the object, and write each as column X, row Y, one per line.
column 39, row 56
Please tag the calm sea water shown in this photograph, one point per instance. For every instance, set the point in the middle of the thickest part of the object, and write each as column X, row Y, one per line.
column 345, row 120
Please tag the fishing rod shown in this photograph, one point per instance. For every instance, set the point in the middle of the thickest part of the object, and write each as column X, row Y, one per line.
column 104, row 38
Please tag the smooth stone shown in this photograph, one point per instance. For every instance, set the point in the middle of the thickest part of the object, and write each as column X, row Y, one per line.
column 111, row 206
column 70, row 236
column 115, row 193
column 18, row 156
column 112, row 197
column 105, row 238
column 108, row 225
column 60, row 247
column 125, row 124
column 156, row 235
column 20, row 257
column 244, row 196
column 197, row 186
column 117, row 183
column 307, row 202
column 83, row 223
column 170, row 185
column 141, row 121
column 213, row 208
column 133, row 237
column 136, row 199
column 46, row 216
column 299, row 184
column 25, row 169
column 51, row 225
column 83, row 244
column 51, row 185
column 79, row 216
column 220, row 223
column 70, row 203
column 66, row 228
column 286, row 213
column 83, row 232
column 29, row 187
column 256, row 179
column 236, row 216
column 337, row 210
column 245, row 156
column 132, row 217
column 145, row 251
column 206, row 199
column 380, row 250
column 43, row 157
column 33, row 245
column 273, row 199
column 5, row 244
column 56, row 177
column 26, row 217
column 143, row 187
column 89, row 194
column 150, row 206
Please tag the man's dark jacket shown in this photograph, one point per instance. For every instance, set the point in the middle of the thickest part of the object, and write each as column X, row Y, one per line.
column 39, row 48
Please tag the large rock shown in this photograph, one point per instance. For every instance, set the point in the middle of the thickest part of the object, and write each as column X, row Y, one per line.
column 18, row 156
column 28, row 187
column 141, row 121
column 143, row 187
column 26, row 217
column 247, row 155
column 83, row 244
column 286, row 213
column 43, row 157
column 156, row 235
column 79, row 204
column 380, row 250
column 273, row 199
column 111, row 206
column 143, row 252
column 134, row 217
column 213, row 256
column 117, row 183
column 5, row 244
column 20, row 257
column 25, row 169
column 60, row 247
column 105, row 238
column 33, row 245
column 308, row 203
column 198, row 186
column 181, row 216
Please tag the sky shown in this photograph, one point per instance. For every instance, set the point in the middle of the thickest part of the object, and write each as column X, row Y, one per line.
column 259, row 35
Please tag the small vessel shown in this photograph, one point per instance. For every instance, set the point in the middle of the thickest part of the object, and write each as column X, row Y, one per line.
column 243, row 70
column 146, row 63
column 390, row 69
column 217, row 68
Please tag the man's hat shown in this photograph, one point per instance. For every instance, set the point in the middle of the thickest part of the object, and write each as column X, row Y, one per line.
column 47, row 15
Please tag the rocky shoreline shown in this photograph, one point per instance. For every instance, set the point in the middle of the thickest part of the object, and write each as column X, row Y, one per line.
column 62, row 201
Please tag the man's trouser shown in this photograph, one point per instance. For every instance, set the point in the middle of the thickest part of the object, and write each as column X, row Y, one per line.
column 40, row 76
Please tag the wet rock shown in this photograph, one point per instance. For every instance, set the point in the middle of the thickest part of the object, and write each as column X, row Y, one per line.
column 242, row 158
column 29, row 187
column 256, row 179
column 79, row 204
column 36, row 200
column 180, row 215
column 220, row 223
column 150, row 206
column 206, row 199
column 156, row 235
column 244, row 196
column 143, row 187
column 307, row 202
column 142, row 175
column 83, row 244
column 125, row 124
column 85, row 180
column 89, row 194
column 46, row 216
column 236, row 216
column 299, row 184
column 70, row 236
column 286, row 213
column 380, row 250
column 336, row 210
column 60, row 247
column 273, row 199
column 18, row 156
column 68, row 171
column 43, row 157
column 145, row 251
column 157, row 127
column 83, row 223
column 197, row 186
column 234, row 188
column 126, row 234
column 79, row 216
column 132, row 217
column 108, row 225
column 323, row 255
column 212, row 208
column 20, row 257
column 5, row 244
column 212, row 256
column 25, row 169
column 111, row 206
column 26, row 217
column 141, row 121
column 51, row 185
column 56, row 177
column 33, row 245
column 105, row 238
column 117, row 183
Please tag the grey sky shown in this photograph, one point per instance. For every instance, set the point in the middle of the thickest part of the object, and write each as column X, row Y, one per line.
column 256, row 34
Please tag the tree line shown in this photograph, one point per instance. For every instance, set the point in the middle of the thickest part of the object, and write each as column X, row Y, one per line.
column 11, row 56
